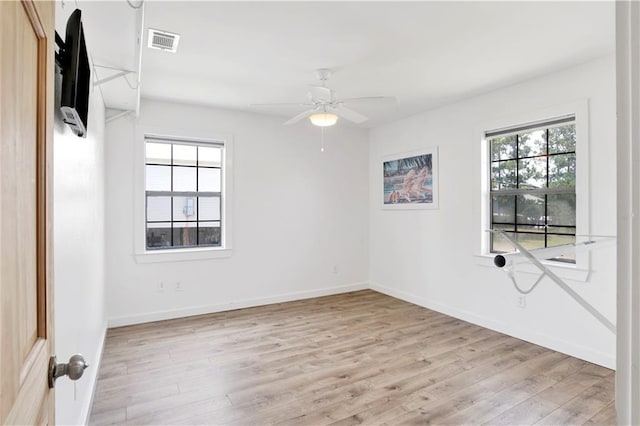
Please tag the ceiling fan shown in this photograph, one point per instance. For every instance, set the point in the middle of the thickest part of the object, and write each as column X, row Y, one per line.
column 323, row 109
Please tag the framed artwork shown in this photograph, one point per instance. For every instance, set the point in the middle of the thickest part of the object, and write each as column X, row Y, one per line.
column 410, row 180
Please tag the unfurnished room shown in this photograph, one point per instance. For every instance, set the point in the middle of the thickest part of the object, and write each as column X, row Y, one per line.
column 319, row 212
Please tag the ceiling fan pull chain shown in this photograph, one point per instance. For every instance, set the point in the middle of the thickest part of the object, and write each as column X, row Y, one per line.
column 321, row 139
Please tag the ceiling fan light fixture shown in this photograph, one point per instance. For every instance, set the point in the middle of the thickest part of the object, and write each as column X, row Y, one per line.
column 323, row 119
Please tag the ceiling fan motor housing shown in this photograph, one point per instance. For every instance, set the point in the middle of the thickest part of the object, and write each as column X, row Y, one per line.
column 323, row 74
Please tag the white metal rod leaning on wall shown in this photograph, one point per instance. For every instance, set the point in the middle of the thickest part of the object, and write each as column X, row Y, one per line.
column 534, row 256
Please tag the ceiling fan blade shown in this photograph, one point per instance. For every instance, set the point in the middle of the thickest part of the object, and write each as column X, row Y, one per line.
column 299, row 117
column 320, row 93
column 349, row 114
column 370, row 99
column 282, row 104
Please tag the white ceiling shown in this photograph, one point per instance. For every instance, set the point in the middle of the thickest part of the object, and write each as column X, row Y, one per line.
column 426, row 54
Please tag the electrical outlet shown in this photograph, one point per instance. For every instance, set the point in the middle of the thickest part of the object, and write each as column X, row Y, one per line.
column 522, row 301
column 179, row 286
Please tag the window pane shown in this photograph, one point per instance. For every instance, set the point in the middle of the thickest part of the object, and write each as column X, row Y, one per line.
column 158, row 153
column 209, row 233
column 532, row 173
column 495, row 176
column 532, row 143
column 184, row 155
column 209, row 156
column 538, row 229
column 209, row 208
column 562, row 139
column 208, row 180
column 184, row 234
column 184, row 179
column 503, row 148
column 158, row 235
column 562, row 171
column 530, row 209
column 530, row 241
column 503, row 175
column 558, row 240
column 158, row 209
column 505, row 228
column 184, row 208
column 562, row 209
column 503, row 208
column 158, row 178
column 499, row 244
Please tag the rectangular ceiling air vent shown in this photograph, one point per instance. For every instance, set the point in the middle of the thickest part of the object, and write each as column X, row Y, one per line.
column 163, row 40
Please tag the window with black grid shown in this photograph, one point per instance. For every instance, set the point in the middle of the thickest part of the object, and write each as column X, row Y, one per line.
column 533, row 184
column 183, row 184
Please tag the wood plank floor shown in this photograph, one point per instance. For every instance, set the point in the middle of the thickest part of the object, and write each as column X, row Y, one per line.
column 355, row 358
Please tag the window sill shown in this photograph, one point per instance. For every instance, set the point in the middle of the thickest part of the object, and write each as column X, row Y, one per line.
column 567, row 271
column 183, row 255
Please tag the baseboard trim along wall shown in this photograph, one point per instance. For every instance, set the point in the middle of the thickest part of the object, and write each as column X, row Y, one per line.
column 94, row 369
column 239, row 304
column 578, row 351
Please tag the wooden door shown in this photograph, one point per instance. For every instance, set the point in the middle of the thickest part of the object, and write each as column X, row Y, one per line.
column 26, row 113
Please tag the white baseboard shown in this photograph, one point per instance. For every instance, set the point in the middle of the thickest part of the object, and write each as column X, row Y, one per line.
column 93, row 370
column 575, row 350
column 227, row 306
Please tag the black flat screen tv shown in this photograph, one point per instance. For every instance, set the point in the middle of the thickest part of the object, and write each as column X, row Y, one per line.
column 76, row 77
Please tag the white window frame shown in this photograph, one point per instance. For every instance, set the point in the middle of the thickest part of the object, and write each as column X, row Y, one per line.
column 579, row 271
column 144, row 255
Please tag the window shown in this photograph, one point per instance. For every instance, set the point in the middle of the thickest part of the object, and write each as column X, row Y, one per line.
column 533, row 184
column 183, row 194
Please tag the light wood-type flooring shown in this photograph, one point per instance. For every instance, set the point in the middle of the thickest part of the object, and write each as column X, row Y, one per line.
column 355, row 358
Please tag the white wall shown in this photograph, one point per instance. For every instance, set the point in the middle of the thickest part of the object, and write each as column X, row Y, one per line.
column 297, row 213
column 79, row 249
column 428, row 256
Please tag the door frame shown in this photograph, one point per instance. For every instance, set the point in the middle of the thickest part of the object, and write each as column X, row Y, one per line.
column 628, row 207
